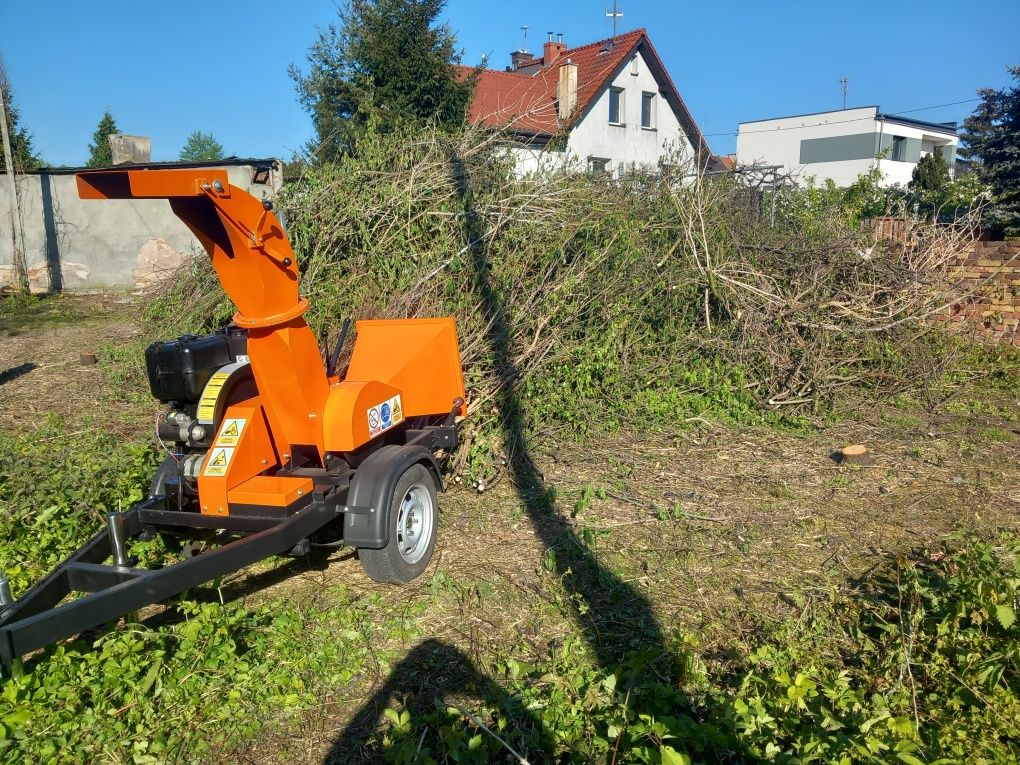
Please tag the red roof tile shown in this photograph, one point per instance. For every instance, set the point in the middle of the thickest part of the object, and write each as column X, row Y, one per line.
column 525, row 100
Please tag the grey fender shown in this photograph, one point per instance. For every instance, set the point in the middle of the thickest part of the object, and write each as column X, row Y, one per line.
column 366, row 520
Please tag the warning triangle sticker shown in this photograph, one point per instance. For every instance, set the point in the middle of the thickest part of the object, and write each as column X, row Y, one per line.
column 220, row 460
column 231, row 429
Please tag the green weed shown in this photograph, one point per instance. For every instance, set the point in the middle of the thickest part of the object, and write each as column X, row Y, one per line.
column 925, row 668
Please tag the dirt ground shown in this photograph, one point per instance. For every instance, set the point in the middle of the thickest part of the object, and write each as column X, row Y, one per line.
column 41, row 372
column 703, row 534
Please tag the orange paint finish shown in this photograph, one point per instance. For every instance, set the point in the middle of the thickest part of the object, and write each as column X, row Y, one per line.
column 147, row 184
column 234, row 458
column 411, row 366
column 271, row 491
column 291, row 378
column 419, row 357
column 346, row 419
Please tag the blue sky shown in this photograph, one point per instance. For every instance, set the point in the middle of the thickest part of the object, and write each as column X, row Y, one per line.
column 166, row 69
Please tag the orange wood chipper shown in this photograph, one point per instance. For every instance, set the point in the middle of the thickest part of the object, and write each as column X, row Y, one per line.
column 267, row 444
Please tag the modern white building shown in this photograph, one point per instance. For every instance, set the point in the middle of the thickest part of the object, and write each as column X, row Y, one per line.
column 607, row 106
column 842, row 145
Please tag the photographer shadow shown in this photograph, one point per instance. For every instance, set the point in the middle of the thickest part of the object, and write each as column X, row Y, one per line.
column 615, row 619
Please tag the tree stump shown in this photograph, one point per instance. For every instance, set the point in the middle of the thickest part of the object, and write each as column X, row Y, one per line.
column 857, row 454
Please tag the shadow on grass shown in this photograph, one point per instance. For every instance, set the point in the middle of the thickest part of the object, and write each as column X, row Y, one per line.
column 615, row 619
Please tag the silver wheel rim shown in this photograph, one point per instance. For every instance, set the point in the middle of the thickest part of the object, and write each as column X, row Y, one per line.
column 414, row 524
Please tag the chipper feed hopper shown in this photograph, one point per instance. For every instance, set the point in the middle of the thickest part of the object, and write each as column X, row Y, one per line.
column 267, row 444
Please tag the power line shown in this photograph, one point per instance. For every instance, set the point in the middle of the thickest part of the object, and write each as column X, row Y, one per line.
column 841, row 122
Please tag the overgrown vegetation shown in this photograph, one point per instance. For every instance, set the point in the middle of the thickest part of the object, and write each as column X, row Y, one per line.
column 583, row 306
column 56, row 491
column 599, row 304
column 919, row 663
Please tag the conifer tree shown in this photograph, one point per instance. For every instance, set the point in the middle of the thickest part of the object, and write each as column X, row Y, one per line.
column 100, row 154
column 930, row 182
column 22, row 152
column 991, row 137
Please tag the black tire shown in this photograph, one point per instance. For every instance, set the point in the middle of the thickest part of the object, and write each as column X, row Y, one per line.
column 398, row 562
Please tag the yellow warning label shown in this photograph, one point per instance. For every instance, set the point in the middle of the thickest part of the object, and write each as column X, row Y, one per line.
column 230, row 433
column 207, row 404
column 398, row 414
column 219, row 461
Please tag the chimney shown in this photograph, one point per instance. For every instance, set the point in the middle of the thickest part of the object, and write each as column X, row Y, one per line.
column 566, row 90
column 130, row 149
column 553, row 50
column 519, row 57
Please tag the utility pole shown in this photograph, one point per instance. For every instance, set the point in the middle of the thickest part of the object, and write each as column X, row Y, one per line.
column 845, row 86
column 18, row 259
column 615, row 14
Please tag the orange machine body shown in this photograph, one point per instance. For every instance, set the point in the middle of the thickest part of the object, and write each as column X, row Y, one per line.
column 399, row 369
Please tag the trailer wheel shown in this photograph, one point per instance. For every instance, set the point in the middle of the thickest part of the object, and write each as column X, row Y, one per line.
column 413, row 516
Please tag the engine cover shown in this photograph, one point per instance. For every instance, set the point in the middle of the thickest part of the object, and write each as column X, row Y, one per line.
column 179, row 369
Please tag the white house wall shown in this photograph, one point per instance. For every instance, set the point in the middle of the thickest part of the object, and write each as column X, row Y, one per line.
column 789, row 141
column 901, row 172
column 535, row 160
column 629, row 144
column 778, row 142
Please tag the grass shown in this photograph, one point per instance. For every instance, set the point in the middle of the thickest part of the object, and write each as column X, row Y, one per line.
column 22, row 313
column 670, row 596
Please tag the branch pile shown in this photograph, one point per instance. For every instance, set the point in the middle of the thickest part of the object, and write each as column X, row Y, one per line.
column 594, row 302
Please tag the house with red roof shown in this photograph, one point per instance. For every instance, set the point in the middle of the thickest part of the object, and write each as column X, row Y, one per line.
column 607, row 106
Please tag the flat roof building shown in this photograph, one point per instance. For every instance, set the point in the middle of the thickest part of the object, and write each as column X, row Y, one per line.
column 844, row 144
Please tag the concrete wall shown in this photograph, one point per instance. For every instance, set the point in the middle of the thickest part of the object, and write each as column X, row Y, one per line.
column 79, row 245
column 840, row 145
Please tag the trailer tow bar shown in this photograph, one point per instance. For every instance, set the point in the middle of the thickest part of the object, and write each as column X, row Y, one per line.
column 37, row 619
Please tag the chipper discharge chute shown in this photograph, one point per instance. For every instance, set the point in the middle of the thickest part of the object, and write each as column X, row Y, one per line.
column 267, row 444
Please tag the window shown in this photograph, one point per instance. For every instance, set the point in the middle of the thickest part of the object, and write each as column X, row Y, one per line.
column 616, row 106
column 899, row 149
column 648, row 111
column 598, row 166
column 634, row 66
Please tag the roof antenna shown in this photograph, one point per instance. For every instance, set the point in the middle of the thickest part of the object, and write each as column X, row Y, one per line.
column 844, row 84
column 615, row 14
column 524, row 46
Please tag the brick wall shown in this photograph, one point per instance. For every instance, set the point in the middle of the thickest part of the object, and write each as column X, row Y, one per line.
column 992, row 271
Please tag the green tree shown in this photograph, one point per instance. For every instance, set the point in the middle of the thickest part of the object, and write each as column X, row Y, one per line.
column 201, row 147
column 965, row 190
column 100, row 154
column 22, row 152
column 387, row 62
column 991, row 138
column 930, row 183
